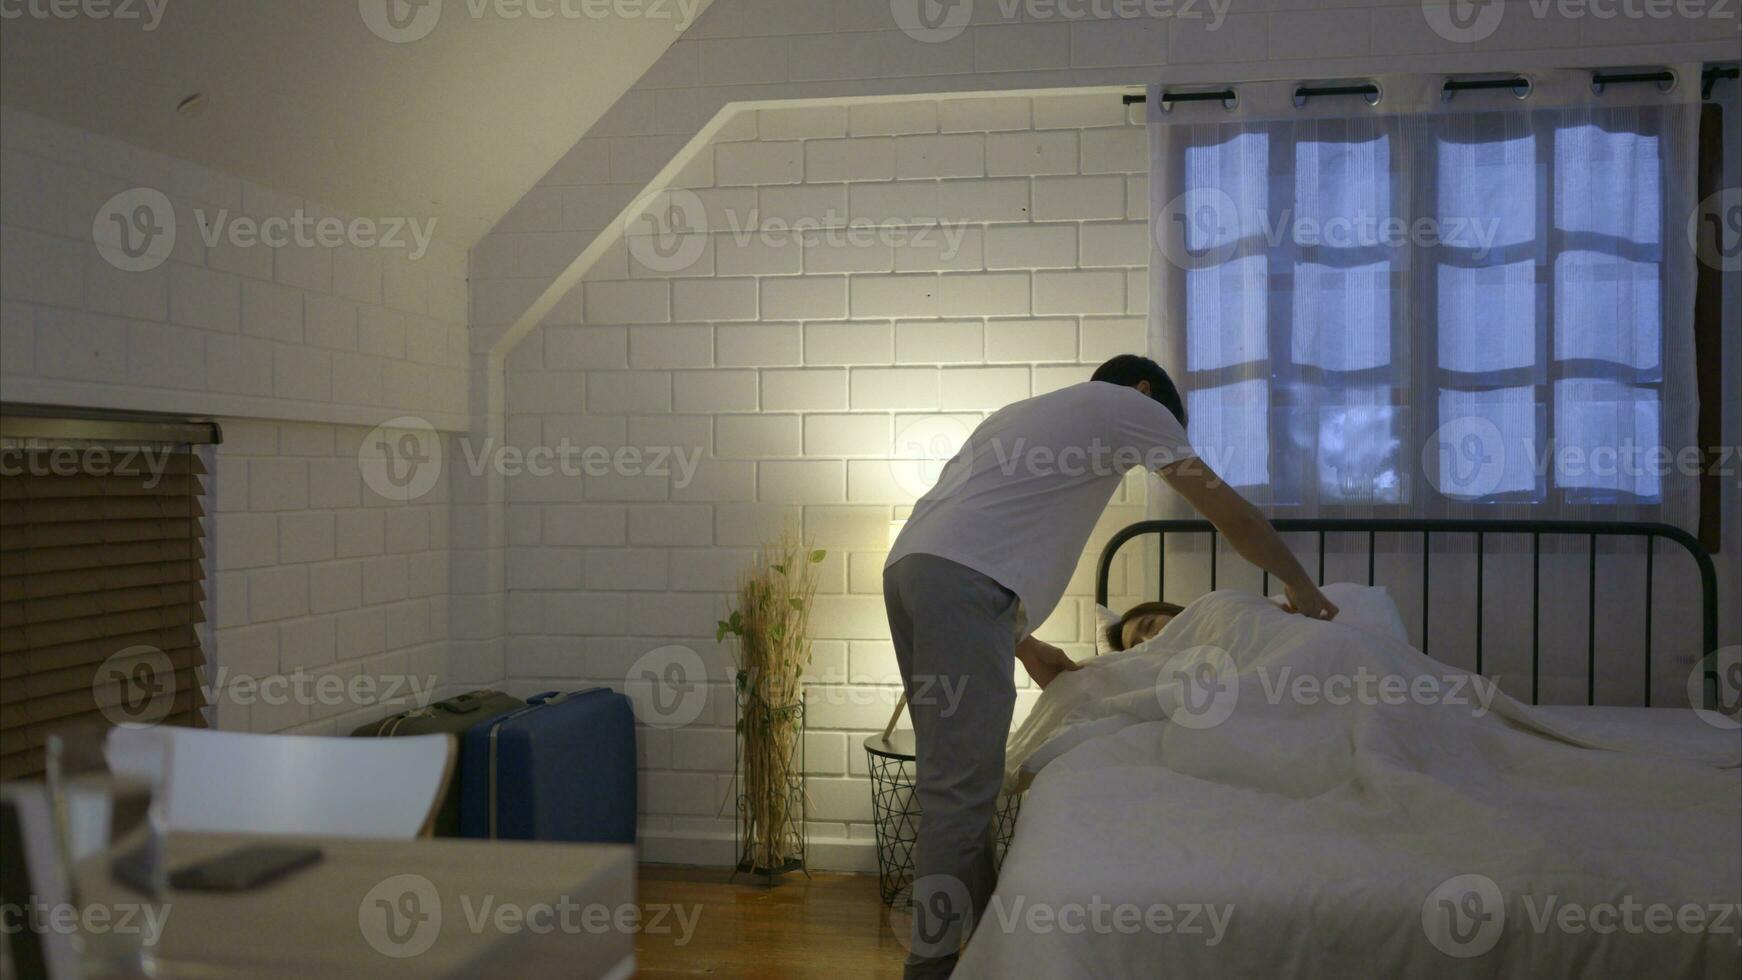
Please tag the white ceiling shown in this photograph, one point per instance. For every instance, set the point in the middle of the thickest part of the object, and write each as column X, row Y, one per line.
column 303, row 97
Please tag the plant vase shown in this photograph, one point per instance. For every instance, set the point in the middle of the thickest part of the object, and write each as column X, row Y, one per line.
column 771, row 787
column 770, row 630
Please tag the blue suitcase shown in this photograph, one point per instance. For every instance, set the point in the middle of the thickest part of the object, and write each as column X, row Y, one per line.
column 562, row 769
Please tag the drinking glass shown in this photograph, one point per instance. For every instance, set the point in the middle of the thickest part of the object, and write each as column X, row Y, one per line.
column 108, row 799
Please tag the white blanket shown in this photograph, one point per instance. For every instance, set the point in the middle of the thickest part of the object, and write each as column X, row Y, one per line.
column 1258, row 794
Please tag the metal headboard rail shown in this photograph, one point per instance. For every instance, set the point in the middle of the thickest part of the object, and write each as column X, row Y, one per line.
column 1427, row 528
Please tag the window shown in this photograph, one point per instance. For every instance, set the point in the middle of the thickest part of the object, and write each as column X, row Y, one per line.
column 1416, row 313
column 1550, row 318
column 101, row 577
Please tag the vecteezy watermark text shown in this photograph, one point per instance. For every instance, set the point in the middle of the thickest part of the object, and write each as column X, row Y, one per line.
column 568, row 459
column 322, row 690
column 148, row 13
column 405, row 21
column 937, row 21
column 1470, row 21
column 402, row 916
column 1466, row 915
column 1099, row 917
column 1095, row 459
column 304, row 230
column 148, row 463
column 402, row 459
column 42, row 917
column 1201, row 687
column 135, row 230
column 1469, row 456
column 1371, row 689
column 1204, row 226
column 930, row 457
column 139, row 685
column 668, row 230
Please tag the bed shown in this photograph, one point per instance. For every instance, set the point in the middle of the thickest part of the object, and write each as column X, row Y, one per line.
column 1190, row 810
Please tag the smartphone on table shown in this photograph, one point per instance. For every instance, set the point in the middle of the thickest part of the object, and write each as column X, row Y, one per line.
column 244, row 868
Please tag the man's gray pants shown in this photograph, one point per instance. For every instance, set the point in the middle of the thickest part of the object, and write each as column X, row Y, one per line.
column 955, row 642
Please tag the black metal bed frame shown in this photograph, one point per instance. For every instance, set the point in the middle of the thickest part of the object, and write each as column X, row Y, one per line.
column 1427, row 528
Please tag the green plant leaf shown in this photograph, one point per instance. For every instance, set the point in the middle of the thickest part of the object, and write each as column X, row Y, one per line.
column 818, row 555
column 797, row 603
column 721, row 630
column 779, row 568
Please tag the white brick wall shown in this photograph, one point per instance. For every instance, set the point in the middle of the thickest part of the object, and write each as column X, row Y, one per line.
column 301, row 331
column 330, row 600
column 748, row 51
column 296, row 350
column 799, row 360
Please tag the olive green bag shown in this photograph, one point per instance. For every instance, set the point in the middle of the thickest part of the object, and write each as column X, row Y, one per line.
column 453, row 717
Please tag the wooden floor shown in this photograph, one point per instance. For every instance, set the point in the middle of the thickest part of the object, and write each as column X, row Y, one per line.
column 831, row 925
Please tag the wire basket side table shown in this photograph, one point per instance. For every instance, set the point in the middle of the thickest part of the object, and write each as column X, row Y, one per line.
column 895, row 813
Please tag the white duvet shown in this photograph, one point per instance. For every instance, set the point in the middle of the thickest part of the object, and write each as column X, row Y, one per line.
column 1253, row 793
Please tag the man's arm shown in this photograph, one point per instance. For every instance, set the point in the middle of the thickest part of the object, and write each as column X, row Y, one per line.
column 1248, row 530
column 1042, row 660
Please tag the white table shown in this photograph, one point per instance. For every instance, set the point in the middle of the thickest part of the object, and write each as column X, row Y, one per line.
column 416, row 908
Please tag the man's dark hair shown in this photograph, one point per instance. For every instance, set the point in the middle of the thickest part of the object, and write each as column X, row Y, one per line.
column 1128, row 369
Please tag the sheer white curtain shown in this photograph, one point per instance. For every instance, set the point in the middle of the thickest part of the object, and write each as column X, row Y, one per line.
column 1479, row 306
column 1474, row 307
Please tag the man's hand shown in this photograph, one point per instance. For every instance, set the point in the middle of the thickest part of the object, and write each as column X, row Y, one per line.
column 1043, row 661
column 1248, row 531
column 1307, row 600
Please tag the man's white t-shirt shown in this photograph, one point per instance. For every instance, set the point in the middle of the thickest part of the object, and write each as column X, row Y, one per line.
column 1018, row 501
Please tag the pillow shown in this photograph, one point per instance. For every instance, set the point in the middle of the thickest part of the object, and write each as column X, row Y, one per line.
column 1105, row 619
column 1367, row 607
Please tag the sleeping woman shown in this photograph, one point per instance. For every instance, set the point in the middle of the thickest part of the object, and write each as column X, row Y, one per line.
column 1140, row 623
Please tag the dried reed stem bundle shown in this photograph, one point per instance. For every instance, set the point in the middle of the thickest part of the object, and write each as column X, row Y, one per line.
column 772, row 627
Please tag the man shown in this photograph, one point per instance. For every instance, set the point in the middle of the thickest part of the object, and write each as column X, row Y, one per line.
column 988, row 552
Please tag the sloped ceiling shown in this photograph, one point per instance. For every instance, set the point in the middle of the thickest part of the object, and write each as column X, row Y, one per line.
column 454, row 115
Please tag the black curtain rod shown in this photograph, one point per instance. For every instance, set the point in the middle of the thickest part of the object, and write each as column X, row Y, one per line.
column 1708, row 78
column 1220, row 96
column 1480, row 84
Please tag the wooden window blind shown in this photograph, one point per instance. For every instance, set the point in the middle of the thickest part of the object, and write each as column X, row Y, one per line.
column 102, row 570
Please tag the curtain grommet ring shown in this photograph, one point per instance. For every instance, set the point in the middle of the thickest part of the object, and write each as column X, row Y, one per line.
column 1232, row 102
column 1522, row 89
column 1376, row 96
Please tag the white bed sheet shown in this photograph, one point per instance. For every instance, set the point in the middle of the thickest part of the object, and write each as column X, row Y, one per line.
column 1313, row 839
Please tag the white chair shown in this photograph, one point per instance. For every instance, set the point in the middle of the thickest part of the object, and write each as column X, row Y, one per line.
column 234, row 782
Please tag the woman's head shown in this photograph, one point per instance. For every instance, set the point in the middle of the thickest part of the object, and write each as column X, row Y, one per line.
column 1139, row 623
